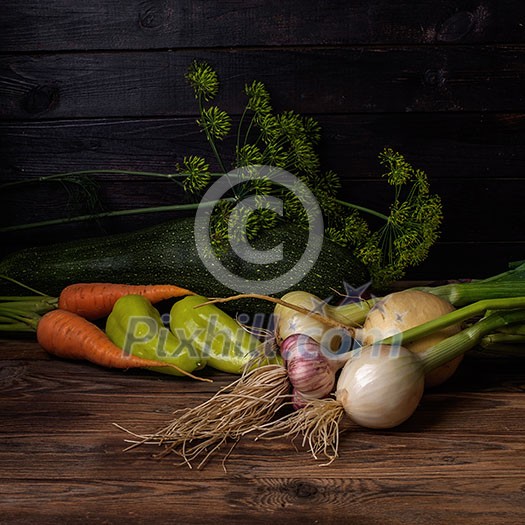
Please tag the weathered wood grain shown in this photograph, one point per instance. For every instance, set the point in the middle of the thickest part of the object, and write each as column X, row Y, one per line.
column 474, row 162
column 100, row 84
column 446, row 145
column 310, row 80
column 459, row 459
column 463, row 221
column 140, row 24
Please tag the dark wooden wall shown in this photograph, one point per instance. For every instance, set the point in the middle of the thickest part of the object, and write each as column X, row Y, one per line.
column 98, row 84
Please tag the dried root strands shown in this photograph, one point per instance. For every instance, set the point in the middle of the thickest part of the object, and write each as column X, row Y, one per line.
column 239, row 408
column 319, row 423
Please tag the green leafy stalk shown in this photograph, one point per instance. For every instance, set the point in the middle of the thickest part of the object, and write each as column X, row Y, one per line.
column 215, row 123
column 288, row 140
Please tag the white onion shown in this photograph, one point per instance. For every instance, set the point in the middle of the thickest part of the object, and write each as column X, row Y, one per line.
column 381, row 386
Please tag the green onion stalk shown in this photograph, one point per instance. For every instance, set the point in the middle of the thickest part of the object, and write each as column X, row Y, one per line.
column 457, row 316
column 510, row 283
column 502, row 344
column 471, row 336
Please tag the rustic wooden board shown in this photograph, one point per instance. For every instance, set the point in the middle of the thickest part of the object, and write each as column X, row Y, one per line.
column 462, row 223
column 103, row 86
column 309, row 80
column 482, row 196
column 446, row 145
column 100, row 84
column 143, row 24
column 460, row 459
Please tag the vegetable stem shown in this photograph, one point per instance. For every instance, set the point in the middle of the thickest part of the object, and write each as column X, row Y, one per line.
column 457, row 344
column 120, row 213
column 504, row 338
column 514, row 330
column 460, row 294
column 58, row 176
column 351, row 314
column 16, row 327
column 209, row 138
column 329, row 321
column 362, row 208
column 455, row 317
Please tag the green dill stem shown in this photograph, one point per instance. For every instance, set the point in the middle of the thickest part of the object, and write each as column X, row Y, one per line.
column 239, row 127
column 362, row 208
column 169, row 176
column 134, row 211
column 209, row 138
column 460, row 294
column 250, row 125
column 454, row 317
column 458, row 344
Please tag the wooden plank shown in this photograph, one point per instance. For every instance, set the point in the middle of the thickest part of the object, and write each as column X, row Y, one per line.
column 367, row 502
column 312, row 80
column 459, row 459
column 110, row 24
column 474, row 161
column 445, row 145
column 465, row 203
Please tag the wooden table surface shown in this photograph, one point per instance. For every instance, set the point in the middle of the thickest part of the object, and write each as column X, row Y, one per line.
column 459, row 459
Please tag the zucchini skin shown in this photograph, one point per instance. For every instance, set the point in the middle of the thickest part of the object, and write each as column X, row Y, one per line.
column 166, row 253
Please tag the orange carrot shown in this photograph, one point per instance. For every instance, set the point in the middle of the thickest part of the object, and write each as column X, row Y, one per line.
column 66, row 334
column 96, row 300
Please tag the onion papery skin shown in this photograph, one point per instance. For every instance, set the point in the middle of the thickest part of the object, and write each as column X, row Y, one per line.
column 381, row 386
column 290, row 322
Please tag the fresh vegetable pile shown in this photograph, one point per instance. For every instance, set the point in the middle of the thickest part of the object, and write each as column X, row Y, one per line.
column 313, row 365
column 368, row 361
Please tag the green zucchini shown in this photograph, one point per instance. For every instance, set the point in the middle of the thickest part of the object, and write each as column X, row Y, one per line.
column 166, row 253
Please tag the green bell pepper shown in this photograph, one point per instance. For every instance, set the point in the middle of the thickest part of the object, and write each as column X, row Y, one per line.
column 219, row 338
column 136, row 326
